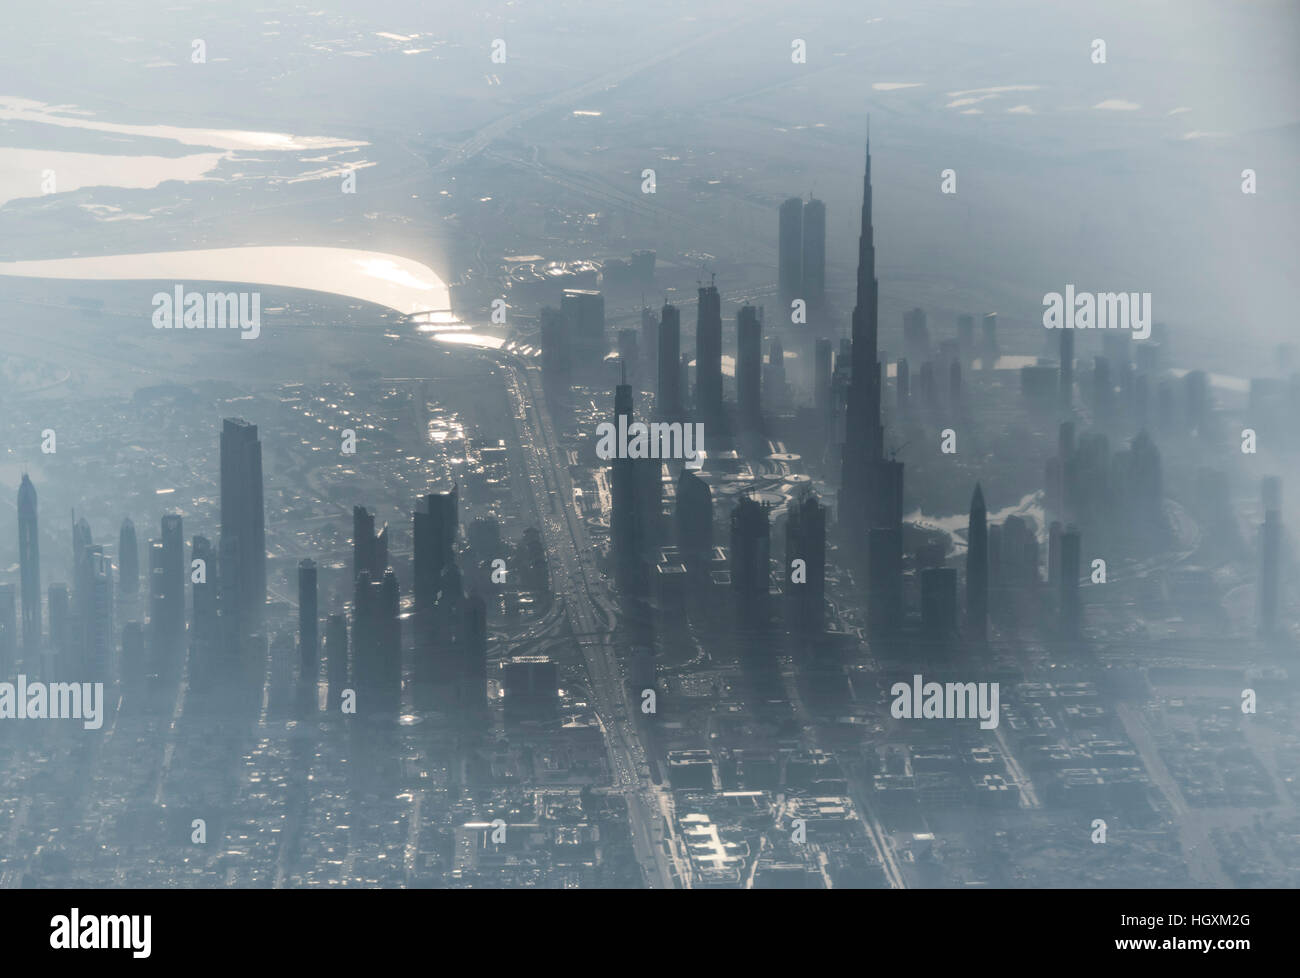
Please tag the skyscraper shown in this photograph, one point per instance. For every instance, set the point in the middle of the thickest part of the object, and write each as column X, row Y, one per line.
column 128, row 560
column 977, row 568
column 624, row 519
column 243, row 526
column 749, row 370
column 694, row 520
column 99, row 611
column 369, row 550
column 708, row 358
column 884, row 579
column 939, row 601
column 790, row 251
column 1069, row 582
column 435, row 529
column 823, row 354
column 29, row 564
column 750, row 552
column 668, row 402
column 557, row 351
column 871, row 486
column 584, row 319
column 474, row 640
column 990, row 351
column 805, row 541
column 814, row 254
column 336, row 654
column 173, row 586
column 205, row 623
column 649, row 333
column 308, row 623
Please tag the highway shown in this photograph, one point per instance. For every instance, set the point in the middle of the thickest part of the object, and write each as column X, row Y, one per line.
column 576, row 581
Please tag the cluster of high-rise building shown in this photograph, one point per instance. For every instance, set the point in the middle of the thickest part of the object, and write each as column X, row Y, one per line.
column 217, row 642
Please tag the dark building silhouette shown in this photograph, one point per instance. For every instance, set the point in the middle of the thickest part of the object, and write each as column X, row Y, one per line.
column 628, row 350
column 805, row 540
column 694, row 520
column 916, row 336
column 531, row 684
column 749, row 563
column 584, row 321
column 649, row 332
column 939, row 601
column 708, row 358
column 336, row 657
column 1071, row 617
column 128, row 560
column 377, row 642
column 668, row 401
column 557, row 350
column 98, row 609
column 474, row 641
column 823, row 357
column 774, row 375
column 369, row 549
column 81, row 589
column 977, row 568
column 885, row 607
column 308, row 620
column 814, row 255
column 966, row 336
column 243, row 520
column 231, row 602
column 871, row 487
column 749, row 370
column 625, row 518
column 790, row 251
column 170, row 628
column 29, row 566
column 205, row 627
column 990, row 351
column 435, row 527
column 1196, row 393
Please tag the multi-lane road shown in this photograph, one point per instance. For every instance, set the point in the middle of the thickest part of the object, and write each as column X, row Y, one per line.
column 590, row 608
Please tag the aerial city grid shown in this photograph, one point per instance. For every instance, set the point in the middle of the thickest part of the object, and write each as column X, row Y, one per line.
column 727, row 446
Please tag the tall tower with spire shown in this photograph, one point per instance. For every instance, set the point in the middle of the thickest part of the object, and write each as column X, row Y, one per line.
column 871, row 486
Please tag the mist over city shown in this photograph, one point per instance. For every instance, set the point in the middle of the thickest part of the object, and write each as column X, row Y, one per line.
column 578, row 445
